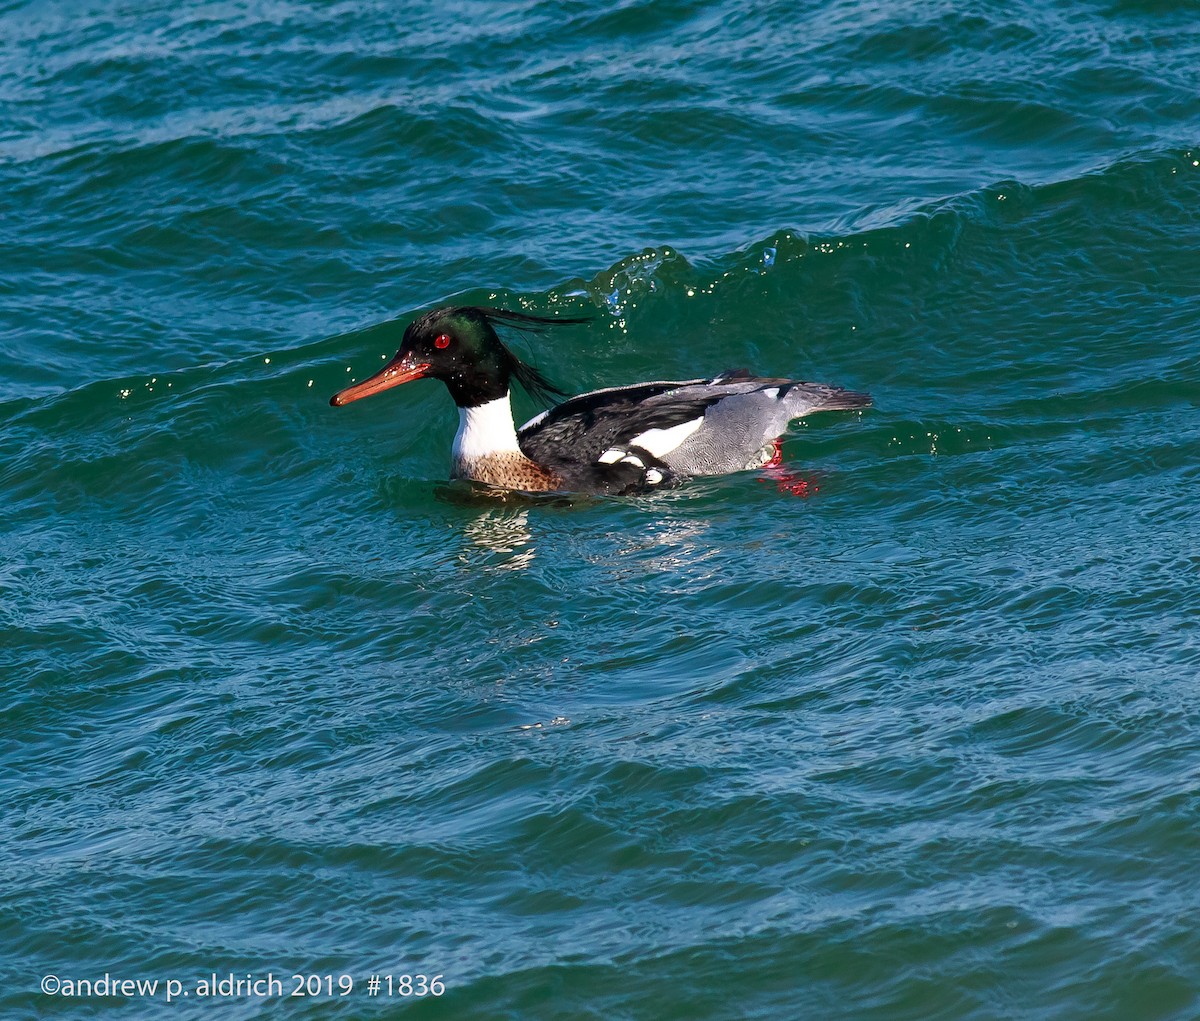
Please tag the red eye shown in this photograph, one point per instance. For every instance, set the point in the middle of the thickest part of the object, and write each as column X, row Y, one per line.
column 442, row 341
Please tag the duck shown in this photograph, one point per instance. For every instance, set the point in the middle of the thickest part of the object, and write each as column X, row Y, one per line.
column 622, row 440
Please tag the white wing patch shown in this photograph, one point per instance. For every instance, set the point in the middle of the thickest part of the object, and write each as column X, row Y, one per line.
column 660, row 442
column 614, row 454
column 656, row 443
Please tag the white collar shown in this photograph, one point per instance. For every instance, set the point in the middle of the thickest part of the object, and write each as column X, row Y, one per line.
column 484, row 430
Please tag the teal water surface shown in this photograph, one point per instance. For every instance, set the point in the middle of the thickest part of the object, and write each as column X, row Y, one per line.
column 277, row 699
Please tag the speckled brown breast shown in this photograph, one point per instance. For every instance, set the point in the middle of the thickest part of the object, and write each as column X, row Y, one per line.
column 509, row 471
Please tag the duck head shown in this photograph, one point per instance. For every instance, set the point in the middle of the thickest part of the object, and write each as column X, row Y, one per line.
column 460, row 346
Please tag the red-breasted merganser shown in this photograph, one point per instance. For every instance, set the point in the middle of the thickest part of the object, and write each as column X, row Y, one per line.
column 622, row 440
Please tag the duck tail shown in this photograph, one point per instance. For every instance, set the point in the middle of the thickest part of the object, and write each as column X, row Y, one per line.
column 835, row 398
column 821, row 397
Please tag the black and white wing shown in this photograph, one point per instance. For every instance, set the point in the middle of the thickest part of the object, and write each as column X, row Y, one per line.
column 655, row 432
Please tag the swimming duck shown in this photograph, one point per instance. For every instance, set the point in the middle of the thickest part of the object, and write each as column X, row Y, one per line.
column 621, row 440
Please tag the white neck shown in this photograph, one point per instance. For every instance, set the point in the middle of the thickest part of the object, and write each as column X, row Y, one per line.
column 487, row 429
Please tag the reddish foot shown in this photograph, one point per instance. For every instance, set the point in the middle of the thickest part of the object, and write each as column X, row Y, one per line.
column 786, row 481
column 794, row 484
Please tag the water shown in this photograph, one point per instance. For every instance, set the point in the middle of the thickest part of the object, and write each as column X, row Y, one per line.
column 278, row 700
